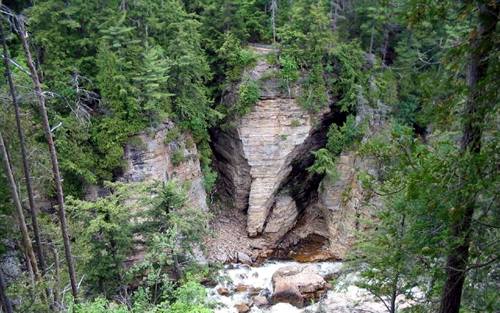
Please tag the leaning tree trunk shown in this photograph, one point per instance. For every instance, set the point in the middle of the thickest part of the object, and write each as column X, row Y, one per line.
column 4, row 300
column 23, row 35
column 26, row 169
column 19, row 210
column 475, row 109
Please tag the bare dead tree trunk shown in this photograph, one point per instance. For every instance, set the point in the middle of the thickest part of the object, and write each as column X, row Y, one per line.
column 4, row 300
column 26, row 168
column 274, row 10
column 23, row 35
column 19, row 210
column 57, row 277
column 385, row 45
column 475, row 109
column 372, row 39
column 334, row 11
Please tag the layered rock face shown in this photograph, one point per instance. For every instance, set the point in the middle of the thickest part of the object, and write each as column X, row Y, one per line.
column 154, row 156
column 255, row 157
column 344, row 203
column 273, row 205
column 269, row 135
column 327, row 227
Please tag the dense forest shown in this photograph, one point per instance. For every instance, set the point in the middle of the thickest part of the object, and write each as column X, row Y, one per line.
column 84, row 80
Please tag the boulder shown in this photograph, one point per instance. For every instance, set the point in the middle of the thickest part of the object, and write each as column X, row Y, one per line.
column 244, row 258
column 223, row 291
column 297, row 285
column 241, row 288
column 260, row 301
column 242, row 308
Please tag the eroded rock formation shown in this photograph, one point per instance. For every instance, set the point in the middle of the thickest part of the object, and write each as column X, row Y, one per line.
column 273, row 206
column 153, row 156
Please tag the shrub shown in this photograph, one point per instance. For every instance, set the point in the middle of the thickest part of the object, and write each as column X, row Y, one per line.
column 177, row 157
column 172, row 135
column 248, row 95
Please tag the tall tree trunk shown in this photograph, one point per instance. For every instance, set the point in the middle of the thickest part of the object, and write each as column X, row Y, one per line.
column 23, row 35
column 57, row 278
column 274, row 10
column 4, row 300
column 26, row 169
column 475, row 109
column 19, row 209
column 372, row 37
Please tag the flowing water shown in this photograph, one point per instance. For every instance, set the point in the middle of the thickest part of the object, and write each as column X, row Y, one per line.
column 241, row 283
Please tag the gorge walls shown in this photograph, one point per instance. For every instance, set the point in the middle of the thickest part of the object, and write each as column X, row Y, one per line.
column 271, row 204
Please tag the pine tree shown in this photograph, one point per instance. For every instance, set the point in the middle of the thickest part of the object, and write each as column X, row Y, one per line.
column 481, row 45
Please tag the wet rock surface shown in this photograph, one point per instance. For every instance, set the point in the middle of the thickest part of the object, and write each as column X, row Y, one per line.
column 301, row 280
column 297, row 285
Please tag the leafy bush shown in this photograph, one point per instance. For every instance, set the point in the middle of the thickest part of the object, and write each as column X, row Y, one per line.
column 339, row 139
column 313, row 96
column 248, row 95
column 289, row 72
column 178, row 157
column 172, row 135
column 235, row 57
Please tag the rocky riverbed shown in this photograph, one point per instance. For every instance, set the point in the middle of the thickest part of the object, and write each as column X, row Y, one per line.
column 290, row 287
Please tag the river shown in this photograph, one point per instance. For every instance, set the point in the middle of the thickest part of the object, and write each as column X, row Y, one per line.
column 241, row 283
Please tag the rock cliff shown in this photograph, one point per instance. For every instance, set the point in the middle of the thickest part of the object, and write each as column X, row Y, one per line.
column 158, row 156
column 255, row 155
column 272, row 205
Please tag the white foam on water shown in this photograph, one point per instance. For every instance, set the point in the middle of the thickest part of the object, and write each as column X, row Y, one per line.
column 344, row 298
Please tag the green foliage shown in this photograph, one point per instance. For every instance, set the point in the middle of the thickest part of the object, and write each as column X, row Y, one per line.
column 306, row 35
column 144, row 64
column 289, row 72
column 172, row 135
column 324, row 163
column 248, row 95
column 340, row 139
column 416, row 188
column 113, row 68
column 178, row 157
column 189, row 297
column 348, row 79
column 345, row 136
column 152, row 79
column 104, row 237
column 313, row 95
column 234, row 57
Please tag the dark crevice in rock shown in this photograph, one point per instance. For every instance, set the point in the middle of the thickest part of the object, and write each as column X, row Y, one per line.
column 234, row 171
column 301, row 184
column 308, row 249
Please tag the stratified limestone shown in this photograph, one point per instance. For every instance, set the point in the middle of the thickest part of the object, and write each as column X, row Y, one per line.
column 269, row 135
column 149, row 158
